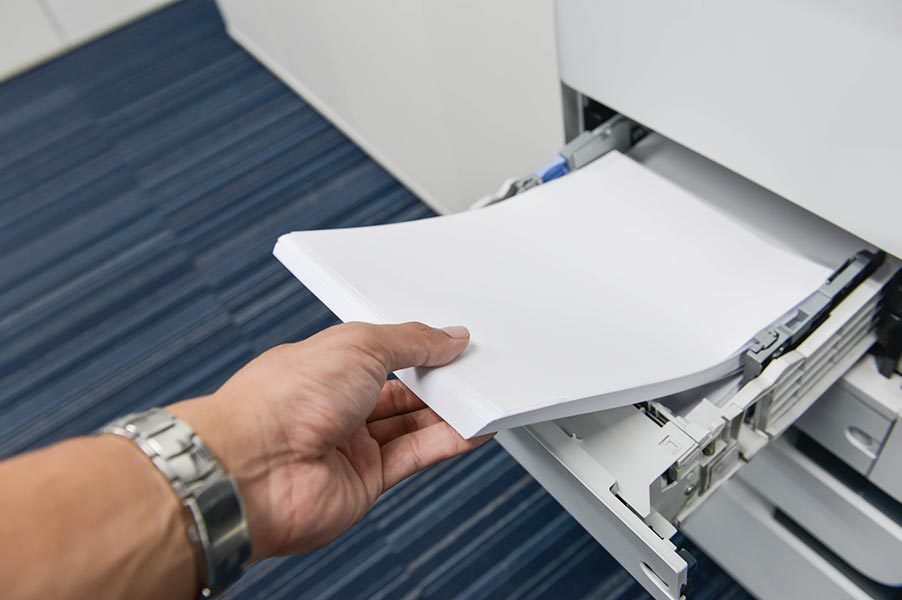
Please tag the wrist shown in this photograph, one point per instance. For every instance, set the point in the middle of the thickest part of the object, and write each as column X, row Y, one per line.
column 233, row 435
column 202, row 486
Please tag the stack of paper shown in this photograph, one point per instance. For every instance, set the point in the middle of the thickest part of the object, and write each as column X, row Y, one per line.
column 606, row 287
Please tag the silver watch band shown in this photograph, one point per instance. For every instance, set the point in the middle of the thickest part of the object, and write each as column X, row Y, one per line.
column 204, row 488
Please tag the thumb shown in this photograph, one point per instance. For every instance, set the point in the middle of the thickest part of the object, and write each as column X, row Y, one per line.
column 410, row 344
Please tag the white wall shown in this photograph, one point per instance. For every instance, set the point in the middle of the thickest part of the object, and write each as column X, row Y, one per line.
column 27, row 35
column 83, row 19
column 32, row 31
column 452, row 97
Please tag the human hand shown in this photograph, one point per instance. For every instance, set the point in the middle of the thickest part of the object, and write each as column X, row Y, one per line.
column 314, row 433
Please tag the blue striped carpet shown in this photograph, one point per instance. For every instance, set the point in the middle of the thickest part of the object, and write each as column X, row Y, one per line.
column 143, row 181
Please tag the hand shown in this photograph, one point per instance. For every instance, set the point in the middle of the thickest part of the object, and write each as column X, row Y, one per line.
column 314, row 434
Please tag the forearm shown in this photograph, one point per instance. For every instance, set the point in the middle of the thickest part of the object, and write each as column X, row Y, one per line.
column 311, row 433
column 92, row 518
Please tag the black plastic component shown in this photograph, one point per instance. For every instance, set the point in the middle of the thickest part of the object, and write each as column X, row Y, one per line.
column 888, row 350
column 686, row 590
column 595, row 113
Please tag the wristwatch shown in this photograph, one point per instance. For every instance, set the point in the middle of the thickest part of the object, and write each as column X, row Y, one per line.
column 219, row 529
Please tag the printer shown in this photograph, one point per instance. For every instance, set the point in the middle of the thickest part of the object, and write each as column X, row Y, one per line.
column 786, row 116
column 791, row 475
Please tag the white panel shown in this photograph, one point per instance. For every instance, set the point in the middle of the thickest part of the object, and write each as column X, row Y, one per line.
column 26, row 35
column 854, row 417
column 453, row 97
column 736, row 528
column 847, row 427
column 82, row 19
column 801, row 97
column 862, row 532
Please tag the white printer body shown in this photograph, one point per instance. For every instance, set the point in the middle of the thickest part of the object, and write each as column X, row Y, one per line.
column 786, row 116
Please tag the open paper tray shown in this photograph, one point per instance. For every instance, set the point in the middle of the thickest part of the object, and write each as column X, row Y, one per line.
column 583, row 483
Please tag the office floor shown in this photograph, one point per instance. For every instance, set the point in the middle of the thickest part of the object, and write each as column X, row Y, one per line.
column 143, row 181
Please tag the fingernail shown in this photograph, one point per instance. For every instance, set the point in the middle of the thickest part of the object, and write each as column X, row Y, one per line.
column 457, row 331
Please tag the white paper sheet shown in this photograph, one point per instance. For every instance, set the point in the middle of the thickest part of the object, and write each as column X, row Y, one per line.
column 606, row 287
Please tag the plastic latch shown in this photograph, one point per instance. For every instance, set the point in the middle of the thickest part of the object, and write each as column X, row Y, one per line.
column 556, row 168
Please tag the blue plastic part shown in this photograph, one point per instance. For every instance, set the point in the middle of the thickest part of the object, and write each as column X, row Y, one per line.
column 554, row 169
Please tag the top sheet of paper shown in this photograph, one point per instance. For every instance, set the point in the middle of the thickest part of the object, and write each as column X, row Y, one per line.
column 606, row 287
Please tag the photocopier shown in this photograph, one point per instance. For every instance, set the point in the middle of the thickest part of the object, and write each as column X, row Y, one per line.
column 788, row 117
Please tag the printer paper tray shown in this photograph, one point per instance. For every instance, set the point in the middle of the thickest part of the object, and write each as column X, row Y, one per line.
column 631, row 475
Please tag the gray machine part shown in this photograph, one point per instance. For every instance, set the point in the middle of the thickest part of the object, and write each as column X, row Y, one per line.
column 776, row 340
column 617, row 133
